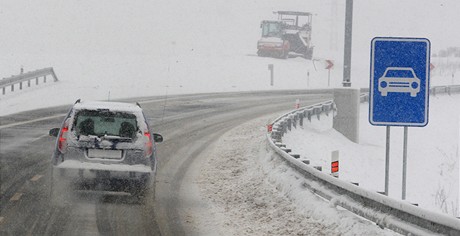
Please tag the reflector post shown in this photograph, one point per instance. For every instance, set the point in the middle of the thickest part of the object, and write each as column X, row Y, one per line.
column 334, row 167
column 270, row 128
column 335, row 164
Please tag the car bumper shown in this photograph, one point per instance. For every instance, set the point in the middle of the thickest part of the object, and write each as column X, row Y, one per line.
column 73, row 168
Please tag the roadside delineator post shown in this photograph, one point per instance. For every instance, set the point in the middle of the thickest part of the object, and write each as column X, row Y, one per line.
column 272, row 79
column 297, row 103
column 335, row 163
column 269, row 128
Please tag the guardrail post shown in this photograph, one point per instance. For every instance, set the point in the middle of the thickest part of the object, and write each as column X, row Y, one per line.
column 296, row 156
column 326, row 109
column 12, row 88
column 309, row 115
column 277, row 136
column 289, row 124
column 277, row 129
column 28, row 83
column 279, row 144
column 20, row 85
column 317, row 111
column 3, row 90
column 44, row 79
column 287, row 150
column 283, row 127
column 54, row 75
column 301, row 116
column 36, row 81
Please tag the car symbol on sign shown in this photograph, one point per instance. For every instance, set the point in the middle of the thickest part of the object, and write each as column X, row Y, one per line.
column 399, row 80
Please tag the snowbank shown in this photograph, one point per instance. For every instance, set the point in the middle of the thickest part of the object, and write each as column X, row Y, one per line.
column 261, row 195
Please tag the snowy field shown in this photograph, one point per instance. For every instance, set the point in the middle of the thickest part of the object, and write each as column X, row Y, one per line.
column 433, row 155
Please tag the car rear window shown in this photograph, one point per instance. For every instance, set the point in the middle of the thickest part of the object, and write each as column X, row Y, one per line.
column 105, row 122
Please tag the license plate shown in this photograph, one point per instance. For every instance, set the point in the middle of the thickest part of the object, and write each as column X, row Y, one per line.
column 104, row 154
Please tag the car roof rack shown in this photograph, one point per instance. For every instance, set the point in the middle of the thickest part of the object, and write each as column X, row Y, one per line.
column 139, row 105
column 78, row 101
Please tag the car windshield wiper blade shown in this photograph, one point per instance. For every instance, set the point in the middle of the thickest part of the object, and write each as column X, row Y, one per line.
column 115, row 137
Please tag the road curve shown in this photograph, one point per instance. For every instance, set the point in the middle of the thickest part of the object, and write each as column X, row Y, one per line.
column 189, row 123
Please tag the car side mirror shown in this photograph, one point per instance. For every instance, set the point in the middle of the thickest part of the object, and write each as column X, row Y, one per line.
column 54, row 132
column 157, row 138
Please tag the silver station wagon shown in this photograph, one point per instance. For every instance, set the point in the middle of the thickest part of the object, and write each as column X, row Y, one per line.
column 105, row 146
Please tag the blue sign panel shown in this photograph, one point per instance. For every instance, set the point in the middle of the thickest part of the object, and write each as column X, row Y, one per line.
column 399, row 81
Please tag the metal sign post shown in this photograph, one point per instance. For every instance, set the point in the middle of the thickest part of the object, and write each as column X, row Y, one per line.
column 387, row 161
column 399, row 89
column 347, row 43
column 404, row 175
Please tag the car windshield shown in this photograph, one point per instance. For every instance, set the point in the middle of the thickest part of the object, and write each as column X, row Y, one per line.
column 271, row 29
column 99, row 123
column 399, row 74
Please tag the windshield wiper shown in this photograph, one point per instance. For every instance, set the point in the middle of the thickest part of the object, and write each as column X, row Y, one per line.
column 115, row 137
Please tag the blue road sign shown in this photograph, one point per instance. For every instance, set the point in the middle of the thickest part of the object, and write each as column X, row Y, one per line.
column 399, row 81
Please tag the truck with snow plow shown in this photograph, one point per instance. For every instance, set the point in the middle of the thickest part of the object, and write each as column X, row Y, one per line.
column 290, row 33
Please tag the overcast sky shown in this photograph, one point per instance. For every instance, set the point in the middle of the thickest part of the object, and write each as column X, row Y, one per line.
column 31, row 29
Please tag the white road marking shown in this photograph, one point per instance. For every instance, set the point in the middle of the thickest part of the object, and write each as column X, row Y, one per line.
column 36, row 177
column 16, row 197
column 39, row 137
column 31, row 121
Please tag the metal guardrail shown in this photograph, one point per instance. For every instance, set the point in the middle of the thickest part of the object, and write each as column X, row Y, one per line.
column 386, row 212
column 449, row 89
column 28, row 76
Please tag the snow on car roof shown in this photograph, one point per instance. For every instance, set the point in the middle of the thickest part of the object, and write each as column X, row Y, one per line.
column 112, row 106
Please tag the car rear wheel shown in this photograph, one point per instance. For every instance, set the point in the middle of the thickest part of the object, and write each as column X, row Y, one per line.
column 143, row 190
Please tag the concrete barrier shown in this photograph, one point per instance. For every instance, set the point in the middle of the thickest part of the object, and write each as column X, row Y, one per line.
column 346, row 122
